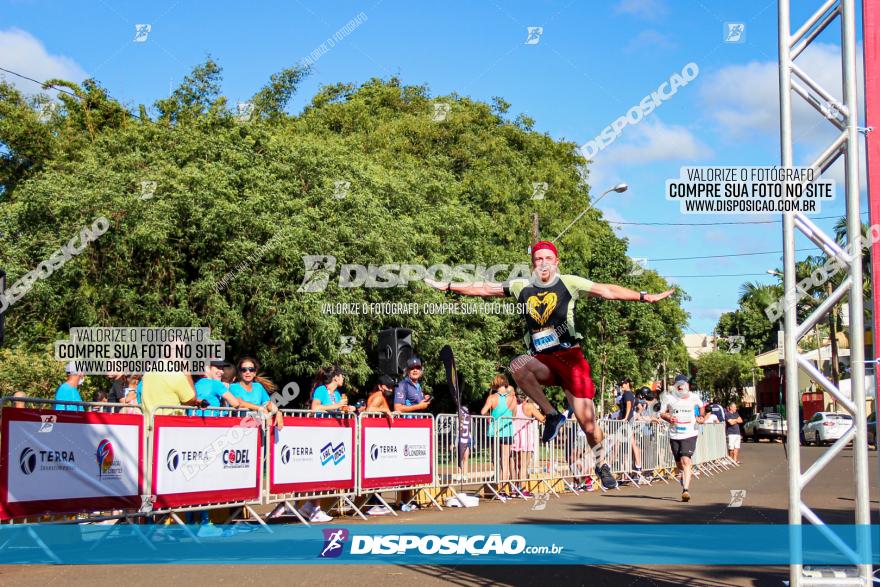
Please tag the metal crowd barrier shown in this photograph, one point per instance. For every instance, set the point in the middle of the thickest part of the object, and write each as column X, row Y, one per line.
column 371, row 455
column 63, row 511
column 335, row 448
column 524, row 478
column 245, row 421
column 562, row 465
column 478, row 468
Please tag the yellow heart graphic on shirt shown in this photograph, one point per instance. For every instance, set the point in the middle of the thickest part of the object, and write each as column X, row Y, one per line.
column 546, row 299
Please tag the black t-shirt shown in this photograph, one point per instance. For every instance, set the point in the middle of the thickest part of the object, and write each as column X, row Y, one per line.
column 731, row 428
column 117, row 391
column 627, row 396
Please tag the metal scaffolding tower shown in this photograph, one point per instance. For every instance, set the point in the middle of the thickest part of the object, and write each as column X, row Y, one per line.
column 843, row 114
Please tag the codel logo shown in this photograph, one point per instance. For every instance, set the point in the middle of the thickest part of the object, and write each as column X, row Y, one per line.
column 285, row 454
column 104, row 455
column 334, row 539
column 28, row 460
column 172, row 460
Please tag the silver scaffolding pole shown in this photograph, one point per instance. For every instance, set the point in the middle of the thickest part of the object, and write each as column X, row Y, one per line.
column 843, row 114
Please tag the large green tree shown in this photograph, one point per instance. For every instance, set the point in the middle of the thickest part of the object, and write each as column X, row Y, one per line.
column 364, row 175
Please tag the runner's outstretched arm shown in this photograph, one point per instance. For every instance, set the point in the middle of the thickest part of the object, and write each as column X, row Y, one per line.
column 609, row 291
column 481, row 289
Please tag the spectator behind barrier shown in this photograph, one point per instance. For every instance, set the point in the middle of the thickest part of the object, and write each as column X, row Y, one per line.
column 732, row 420
column 211, row 389
column 627, row 411
column 715, row 408
column 501, row 403
column 383, row 390
column 69, row 390
column 408, row 395
column 18, row 404
column 251, row 391
column 229, row 375
column 118, row 384
column 525, row 435
column 130, row 396
column 325, row 390
column 167, row 389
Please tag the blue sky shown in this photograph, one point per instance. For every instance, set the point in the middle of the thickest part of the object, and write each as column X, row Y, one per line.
column 592, row 63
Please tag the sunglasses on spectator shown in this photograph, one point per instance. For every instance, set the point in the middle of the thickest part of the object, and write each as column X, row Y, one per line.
column 247, row 369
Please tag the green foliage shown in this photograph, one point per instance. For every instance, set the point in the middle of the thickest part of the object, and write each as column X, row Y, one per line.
column 724, row 373
column 245, row 201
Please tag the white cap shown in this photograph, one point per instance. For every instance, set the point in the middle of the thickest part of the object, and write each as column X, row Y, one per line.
column 70, row 368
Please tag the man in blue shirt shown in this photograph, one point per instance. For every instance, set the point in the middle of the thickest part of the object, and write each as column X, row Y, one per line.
column 408, row 396
column 69, row 390
column 211, row 389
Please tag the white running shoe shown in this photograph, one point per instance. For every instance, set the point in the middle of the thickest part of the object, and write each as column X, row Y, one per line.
column 318, row 517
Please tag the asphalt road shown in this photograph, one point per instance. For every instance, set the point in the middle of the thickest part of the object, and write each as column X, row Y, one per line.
column 763, row 477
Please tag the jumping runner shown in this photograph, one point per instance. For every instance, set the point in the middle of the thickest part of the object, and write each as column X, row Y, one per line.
column 555, row 356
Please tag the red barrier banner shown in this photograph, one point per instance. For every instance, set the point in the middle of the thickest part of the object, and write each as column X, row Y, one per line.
column 398, row 453
column 312, row 454
column 64, row 462
column 201, row 460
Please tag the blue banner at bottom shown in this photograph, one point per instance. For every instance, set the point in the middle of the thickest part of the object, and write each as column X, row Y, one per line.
column 527, row 544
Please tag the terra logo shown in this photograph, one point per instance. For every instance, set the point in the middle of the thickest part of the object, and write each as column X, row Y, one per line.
column 285, row 454
column 374, row 452
column 172, row 460
column 334, row 539
column 28, row 460
column 104, row 455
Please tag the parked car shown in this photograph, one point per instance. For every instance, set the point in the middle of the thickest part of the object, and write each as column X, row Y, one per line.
column 768, row 425
column 826, row 427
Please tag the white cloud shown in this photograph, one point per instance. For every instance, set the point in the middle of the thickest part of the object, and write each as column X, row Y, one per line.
column 648, row 9
column 655, row 141
column 22, row 52
column 744, row 99
column 649, row 40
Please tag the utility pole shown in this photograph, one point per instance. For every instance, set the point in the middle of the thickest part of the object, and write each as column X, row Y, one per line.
column 832, row 329
column 535, row 228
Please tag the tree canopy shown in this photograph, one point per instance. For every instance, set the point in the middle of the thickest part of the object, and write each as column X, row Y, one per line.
column 245, row 200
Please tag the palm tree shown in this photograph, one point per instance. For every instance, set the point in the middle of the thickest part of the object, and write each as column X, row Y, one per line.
column 759, row 295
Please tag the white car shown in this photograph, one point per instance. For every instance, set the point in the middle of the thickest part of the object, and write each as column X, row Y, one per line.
column 767, row 425
column 826, row 427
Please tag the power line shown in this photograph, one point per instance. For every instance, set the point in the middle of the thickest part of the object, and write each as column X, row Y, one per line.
column 39, row 83
column 729, row 255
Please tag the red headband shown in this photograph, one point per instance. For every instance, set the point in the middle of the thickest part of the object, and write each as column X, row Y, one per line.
column 544, row 245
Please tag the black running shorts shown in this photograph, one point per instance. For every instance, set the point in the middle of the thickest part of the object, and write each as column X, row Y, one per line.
column 684, row 447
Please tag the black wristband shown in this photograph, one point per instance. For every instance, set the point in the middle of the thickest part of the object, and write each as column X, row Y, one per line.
column 449, row 287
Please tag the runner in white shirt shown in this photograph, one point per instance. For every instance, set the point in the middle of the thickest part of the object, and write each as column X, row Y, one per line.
column 683, row 410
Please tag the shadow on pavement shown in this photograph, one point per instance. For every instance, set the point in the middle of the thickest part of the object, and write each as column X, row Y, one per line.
column 569, row 576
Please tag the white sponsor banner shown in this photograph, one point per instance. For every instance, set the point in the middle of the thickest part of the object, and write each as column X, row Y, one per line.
column 396, row 452
column 196, row 459
column 310, row 454
column 71, row 461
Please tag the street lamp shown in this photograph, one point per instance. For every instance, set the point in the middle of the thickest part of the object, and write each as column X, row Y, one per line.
column 619, row 188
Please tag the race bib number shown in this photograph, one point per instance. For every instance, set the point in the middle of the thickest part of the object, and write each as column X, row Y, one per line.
column 545, row 339
column 684, row 420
